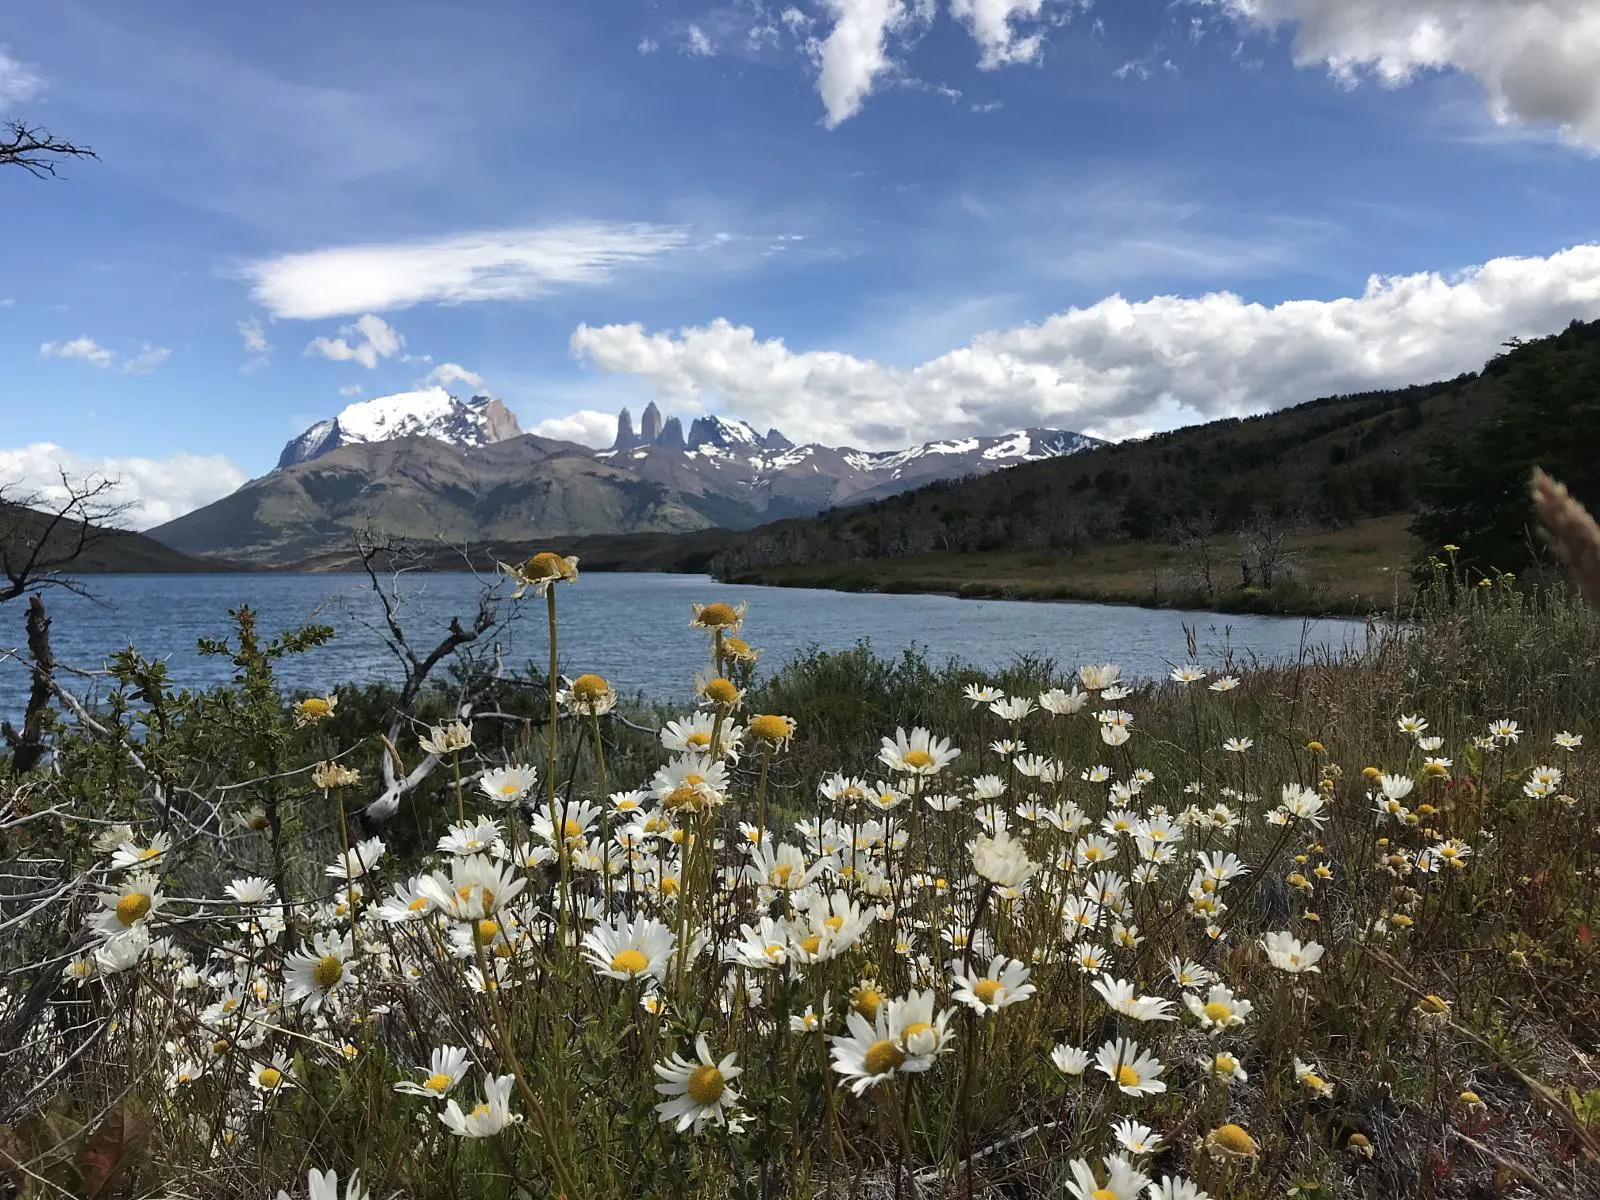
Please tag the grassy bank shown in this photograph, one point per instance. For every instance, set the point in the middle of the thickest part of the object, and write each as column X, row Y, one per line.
column 1354, row 571
column 1318, row 930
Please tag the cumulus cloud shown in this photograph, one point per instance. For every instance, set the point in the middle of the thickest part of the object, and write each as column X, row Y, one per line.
column 507, row 264
column 855, row 53
column 447, row 373
column 1537, row 60
column 156, row 490
column 1115, row 368
column 86, row 349
column 989, row 22
column 589, row 428
column 349, row 389
column 371, row 337
column 255, row 340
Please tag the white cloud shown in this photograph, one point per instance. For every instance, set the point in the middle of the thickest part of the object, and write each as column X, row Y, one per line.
column 855, row 53
column 507, row 264
column 1116, row 368
column 147, row 360
column 255, row 340
column 374, row 338
column 699, row 45
column 85, row 348
column 447, row 373
column 589, row 428
column 349, row 389
column 1537, row 60
column 155, row 489
column 648, row 45
column 18, row 80
column 989, row 22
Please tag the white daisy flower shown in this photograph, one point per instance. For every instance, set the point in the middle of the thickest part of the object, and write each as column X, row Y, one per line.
column 697, row 1092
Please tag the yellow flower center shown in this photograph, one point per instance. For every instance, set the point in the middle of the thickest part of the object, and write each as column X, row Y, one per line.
column 1103, row 1194
column 834, row 923
column 1217, row 1011
column 315, row 707
column 328, row 971
column 883, row 1056
column 717, row 616
column 669, row 885
column 487, row 930
column 269, row 1077
column 571, row 830
column 481, row 1110
column 1227, row 1064
column 867, row 1001
column 699, row 741
column 133, row 907
column 918, row 759
column 1314, row 1081
column 986, row 990
column 811, row 944
column 780, row 874
column 1231, row 1139
column 721, row 691
column 915, row 1029
column 149, row 852
column 509, row 789
column 438, row 1083
column 773, row 950
column 770, row 728
column 417, row 905
column 630, row 962
column 1433, row 1004
column 590, row 688
column 548, row 565
column 1127, row 1076
column 705, row 1085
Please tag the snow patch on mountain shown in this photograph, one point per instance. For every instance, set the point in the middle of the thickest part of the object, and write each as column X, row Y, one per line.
column 430, row 412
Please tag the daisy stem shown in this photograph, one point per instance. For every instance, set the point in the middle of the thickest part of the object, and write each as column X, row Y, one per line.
column 509, row 1054
column 461, row 804
column 605, row 814
column 761, row 793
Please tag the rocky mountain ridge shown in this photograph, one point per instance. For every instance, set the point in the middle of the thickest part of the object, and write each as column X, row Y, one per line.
column 424, row 465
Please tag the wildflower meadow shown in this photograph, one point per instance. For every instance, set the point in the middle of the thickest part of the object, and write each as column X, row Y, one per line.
column 853, row 927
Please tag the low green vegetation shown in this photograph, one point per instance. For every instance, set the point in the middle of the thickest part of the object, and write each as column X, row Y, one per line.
column 1316, row 930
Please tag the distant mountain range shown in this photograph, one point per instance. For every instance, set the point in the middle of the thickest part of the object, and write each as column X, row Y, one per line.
column 426, row 465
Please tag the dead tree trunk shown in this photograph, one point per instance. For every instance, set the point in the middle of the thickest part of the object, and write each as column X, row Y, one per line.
column 28, row 747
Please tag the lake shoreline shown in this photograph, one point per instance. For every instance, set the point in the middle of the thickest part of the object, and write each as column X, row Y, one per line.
column 1309, row 606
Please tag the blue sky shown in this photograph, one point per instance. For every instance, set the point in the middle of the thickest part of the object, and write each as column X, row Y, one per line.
column 868, row 222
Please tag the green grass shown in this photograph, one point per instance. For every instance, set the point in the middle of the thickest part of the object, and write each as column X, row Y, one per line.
column 1506, row 941
column 1358, row 570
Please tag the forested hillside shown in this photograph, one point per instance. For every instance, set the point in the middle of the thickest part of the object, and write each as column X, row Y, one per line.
column 1444, row 450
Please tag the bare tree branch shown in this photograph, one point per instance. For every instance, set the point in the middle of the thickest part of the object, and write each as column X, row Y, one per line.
column 41, row 534
column 37, row 151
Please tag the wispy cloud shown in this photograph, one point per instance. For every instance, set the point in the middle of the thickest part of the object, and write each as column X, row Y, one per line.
column 18, row 80
column 85, row 349
column 509, row 264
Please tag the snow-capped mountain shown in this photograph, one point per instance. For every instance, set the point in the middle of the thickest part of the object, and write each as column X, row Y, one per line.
column 768, row 471
column 432, row 412
column 424, row 465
